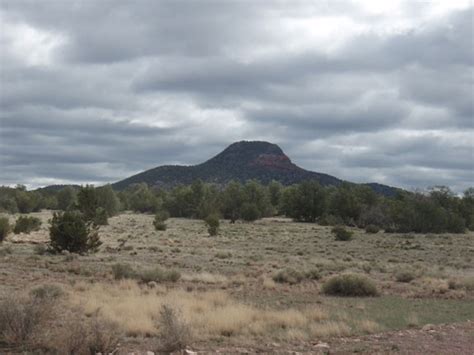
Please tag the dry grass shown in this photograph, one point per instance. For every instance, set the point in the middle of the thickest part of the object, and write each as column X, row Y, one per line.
column 205, row 277
column 210, row 314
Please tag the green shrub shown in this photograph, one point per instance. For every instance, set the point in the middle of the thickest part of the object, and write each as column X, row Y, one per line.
column 162, row 215
column 101, row 217
column 123, row 271
column 372, row 229
column 4, row 228
column 212, row 223
column 288, row 275
column 330, row 220
column 342, row 234
column 350, row 285
column 223, row 255
column 159, row 221
column 158, row 274
column 250, row 212
column 160, row 225
column 69, row 231
column 26, row 224
column 404, row 276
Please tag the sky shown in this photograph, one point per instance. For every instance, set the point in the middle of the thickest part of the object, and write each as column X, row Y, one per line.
column 367, row 91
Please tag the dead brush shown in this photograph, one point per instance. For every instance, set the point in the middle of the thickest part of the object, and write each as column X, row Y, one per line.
column 173, row 332
column 78, row 335
column 21, row 318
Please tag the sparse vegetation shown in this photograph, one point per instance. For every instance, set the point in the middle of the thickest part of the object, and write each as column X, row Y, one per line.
column 275, row 270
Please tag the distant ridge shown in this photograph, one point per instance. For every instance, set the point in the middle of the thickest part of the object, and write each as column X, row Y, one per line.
column 241, row 161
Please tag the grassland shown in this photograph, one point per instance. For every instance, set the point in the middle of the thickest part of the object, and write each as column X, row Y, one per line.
column 227, row 291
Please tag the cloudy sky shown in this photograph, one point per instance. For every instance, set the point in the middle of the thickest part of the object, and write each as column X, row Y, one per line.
column 95, row 91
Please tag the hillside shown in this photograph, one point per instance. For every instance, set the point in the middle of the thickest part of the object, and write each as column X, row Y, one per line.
column 241, row 161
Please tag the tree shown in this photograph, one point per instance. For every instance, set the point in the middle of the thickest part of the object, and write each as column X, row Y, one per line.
column 232, row 201
column 108, row 200
column 142, row 199
column 88, row 202
column 66, row 198
column 70, row 231
column 305, row 202
column 275, row 192
column 344, row 203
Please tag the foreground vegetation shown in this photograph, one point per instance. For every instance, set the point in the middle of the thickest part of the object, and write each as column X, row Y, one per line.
column 273, row 280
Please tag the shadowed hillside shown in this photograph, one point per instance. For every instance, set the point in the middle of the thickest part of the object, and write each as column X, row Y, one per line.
column 240, row 161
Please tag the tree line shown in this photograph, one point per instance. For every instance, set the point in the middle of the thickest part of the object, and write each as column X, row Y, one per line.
column 438, row 210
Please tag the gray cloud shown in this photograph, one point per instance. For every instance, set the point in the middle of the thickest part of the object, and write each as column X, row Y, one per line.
column 97, row 91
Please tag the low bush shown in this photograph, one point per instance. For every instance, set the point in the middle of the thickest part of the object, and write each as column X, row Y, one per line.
column 158, row 274
column 78, row 335
column 69, row 231
column 47, row 292
column 312, row 274
column 159, row 225
column 404, row 276
column 288, row 275
column 223, row 255
column 342, row 234
column 159, row 221
column 21, row 317
column 350, row 285
column 123, row 271
column 372, row 229
column 4, row 228
column 174, row 334
column 212, row 223
column 40, row 249
column 26, row 224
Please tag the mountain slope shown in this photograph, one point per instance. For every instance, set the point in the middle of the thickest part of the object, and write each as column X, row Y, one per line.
column 240, row 161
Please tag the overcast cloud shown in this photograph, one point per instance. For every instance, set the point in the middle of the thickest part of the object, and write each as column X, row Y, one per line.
column 95, row 91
